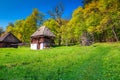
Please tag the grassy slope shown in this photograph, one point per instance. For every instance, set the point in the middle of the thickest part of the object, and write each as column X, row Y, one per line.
column 97, row 62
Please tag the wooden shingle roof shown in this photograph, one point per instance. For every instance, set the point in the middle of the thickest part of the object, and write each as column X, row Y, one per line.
column 9, row 37
column 43, row 31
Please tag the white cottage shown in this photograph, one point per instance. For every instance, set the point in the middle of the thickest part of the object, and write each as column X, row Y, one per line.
column 42, row 38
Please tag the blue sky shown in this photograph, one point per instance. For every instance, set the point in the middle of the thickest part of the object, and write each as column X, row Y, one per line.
column 12, row 10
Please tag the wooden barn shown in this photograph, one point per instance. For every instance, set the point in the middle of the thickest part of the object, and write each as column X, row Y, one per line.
column 9, row 40
column 42, row 38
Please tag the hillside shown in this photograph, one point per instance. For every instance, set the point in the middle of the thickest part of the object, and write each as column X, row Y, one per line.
column 96, row 62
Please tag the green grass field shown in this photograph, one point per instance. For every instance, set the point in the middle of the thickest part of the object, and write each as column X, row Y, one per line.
column 96, row 62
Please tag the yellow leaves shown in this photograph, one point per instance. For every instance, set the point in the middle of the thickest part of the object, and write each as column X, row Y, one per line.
column 91, row 29
column 9, row 29
column 19, row 36
column 98, row 29
column 108, row 5
column 90, row 7
column 104, row 22
column 77, row 11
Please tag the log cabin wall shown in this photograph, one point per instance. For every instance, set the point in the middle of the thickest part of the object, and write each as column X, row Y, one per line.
column 6, row 45
column 34, row 40
column 1, row 45
column 41, row 40
column 47, row 41
column 37, row 40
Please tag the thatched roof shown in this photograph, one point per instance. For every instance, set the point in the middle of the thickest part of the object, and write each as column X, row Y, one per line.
column 9, row 37
column 43, row 31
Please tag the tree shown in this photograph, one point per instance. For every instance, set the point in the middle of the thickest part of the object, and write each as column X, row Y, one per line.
column 58, row 31
column 10, row 27
column 19, row 29
column 78, row 27
column 56, row 14
column 110, row 22
column 1, row 31
column 31, row 23
column 85, row 2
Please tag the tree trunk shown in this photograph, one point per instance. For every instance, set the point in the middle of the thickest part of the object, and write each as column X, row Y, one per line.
column 92, row 38
column 114, row 33
column 59, row 41
column 66, row 41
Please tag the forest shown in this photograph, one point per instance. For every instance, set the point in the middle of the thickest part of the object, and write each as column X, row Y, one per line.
column 96, row 21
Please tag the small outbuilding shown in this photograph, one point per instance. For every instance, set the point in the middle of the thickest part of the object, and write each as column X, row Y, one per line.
column 42, row 38
column 9, row 40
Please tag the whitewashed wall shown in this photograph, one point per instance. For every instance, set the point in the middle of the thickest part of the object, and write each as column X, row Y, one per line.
column 41, row 46
column 34, row 46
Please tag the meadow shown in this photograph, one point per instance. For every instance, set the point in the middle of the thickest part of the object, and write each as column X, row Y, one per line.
column 100, row 61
